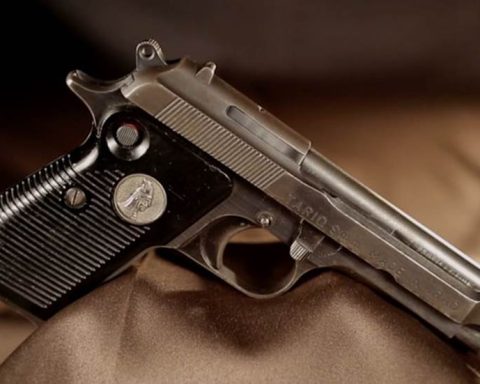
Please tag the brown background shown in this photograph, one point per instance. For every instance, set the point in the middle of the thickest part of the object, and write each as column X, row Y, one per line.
column 389, row 91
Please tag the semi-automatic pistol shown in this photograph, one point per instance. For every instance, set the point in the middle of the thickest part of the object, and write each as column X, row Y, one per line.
column 177, row 159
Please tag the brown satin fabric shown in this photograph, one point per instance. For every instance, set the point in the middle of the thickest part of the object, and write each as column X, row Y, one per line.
column 163, row 323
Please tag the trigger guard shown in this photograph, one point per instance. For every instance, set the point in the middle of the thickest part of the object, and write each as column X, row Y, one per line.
column 213, row 244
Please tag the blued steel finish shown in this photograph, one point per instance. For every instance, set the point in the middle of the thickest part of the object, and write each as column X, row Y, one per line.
column 226, row 165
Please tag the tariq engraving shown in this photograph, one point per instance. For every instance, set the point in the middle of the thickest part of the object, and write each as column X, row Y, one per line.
column 307, row 211
column 139, row 200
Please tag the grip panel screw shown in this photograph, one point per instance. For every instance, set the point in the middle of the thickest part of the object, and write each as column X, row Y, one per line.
column 75, row 198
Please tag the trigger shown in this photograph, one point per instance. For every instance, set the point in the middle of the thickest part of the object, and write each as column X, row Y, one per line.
column 215, row 241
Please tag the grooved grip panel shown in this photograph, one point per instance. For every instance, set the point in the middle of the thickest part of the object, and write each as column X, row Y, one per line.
column 51, row 253
column 46, row 248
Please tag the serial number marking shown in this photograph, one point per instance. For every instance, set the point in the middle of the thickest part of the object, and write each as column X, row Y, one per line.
column 437, row 261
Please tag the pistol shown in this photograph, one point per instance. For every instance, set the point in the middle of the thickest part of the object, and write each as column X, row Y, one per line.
column 177, row 159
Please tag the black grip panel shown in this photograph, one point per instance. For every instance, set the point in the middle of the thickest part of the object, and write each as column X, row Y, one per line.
column 52, row 253
column 45, row 248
